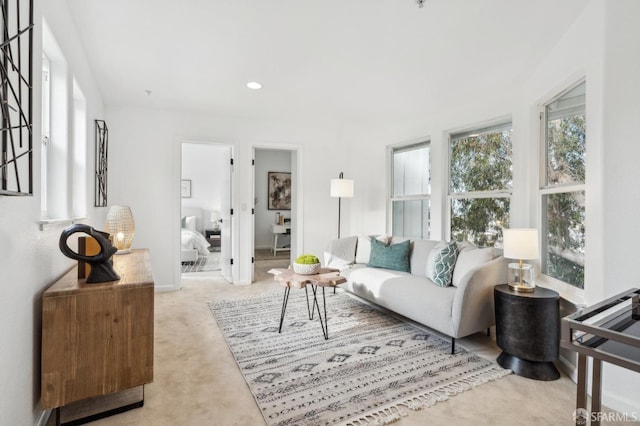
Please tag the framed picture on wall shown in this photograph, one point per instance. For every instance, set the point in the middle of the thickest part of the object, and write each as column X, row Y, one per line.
column 279, row 191
column 185, row 188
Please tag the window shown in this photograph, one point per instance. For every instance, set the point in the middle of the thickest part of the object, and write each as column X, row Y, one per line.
column 410, row 191
column 64, row 137
column 480, row 181
column 46, row 134
column 563, row 186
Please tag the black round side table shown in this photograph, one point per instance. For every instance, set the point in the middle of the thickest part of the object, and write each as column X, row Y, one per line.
column 528, row 331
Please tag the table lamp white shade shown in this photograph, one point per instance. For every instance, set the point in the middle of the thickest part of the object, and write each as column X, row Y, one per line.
column 342, row 188
column 520, row 243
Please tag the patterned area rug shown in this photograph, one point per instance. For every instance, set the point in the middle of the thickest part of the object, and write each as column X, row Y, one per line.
column 370, row 370
column 203, row 264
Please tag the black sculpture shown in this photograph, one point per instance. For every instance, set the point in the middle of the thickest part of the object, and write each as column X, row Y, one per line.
column 101, row 263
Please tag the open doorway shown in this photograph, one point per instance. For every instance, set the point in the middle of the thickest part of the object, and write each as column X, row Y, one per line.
column 205, row 244
column 275, row 204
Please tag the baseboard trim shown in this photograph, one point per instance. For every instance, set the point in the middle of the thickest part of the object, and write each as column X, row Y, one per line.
column 164, row 288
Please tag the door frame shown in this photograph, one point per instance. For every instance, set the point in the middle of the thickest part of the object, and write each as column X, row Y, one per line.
column 297, row 209
column 178, row 208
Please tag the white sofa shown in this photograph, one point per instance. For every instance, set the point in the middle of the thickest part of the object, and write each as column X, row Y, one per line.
column 458, row 310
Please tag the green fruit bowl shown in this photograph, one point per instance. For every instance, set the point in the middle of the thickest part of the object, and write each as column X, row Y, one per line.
column 306, row 264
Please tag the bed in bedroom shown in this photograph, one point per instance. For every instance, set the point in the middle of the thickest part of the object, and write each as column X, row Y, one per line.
column 193, row 243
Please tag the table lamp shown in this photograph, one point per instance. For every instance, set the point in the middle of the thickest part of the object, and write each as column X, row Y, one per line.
column 119, row 224
column 216, row 218
column 521, row 244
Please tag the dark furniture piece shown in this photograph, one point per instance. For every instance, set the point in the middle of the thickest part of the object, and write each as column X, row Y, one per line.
column 214, row 237
column 97, row 340
column 528, row 331
column 607, row 331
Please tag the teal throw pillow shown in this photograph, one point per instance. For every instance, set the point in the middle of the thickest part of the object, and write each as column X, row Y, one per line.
column 444, row 262
column 394, row 256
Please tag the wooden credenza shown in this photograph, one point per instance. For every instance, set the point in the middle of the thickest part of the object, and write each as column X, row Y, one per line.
column 97, row 339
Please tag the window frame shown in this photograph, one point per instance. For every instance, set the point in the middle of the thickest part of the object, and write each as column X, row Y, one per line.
column 545, row 188
column 426, row 142
column 504, row 123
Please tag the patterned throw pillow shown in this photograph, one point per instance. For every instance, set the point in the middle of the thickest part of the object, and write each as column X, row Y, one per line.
column 441, row 263
column 394, row 256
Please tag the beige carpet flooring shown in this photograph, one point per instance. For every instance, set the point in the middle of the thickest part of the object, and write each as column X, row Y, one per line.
column 196, row 380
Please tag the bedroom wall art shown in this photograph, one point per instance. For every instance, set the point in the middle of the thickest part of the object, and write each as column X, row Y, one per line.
column 279, row 191
column 102, row 144
column 185, row 188
column 16, row 98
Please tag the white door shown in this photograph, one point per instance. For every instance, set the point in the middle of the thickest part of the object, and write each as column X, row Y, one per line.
column 226, row 252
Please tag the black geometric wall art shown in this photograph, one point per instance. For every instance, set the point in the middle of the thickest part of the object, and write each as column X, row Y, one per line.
column 102, row 144
column 16, row 97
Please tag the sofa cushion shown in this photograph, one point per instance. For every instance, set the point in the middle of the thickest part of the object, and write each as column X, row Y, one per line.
column 414, row 297
column 441, row 263
column 470, row 259
column 418, row 255
column 394, row 256
column 364, row 247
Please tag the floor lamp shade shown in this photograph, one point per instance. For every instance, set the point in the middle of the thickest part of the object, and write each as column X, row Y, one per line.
column 342, row 188
column 120, row 226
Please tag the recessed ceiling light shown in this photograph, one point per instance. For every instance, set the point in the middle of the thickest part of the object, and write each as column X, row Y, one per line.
column 254, row 85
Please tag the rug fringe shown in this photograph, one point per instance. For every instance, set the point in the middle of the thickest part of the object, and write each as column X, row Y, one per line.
column 429, row 398
column 380, row 417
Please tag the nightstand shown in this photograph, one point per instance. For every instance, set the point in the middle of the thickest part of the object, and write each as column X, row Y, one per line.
column 213, row 236
column 528, row 331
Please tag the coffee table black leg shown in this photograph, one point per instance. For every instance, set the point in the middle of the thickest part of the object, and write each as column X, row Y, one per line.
column 284, row 306
column 311, row 310
column 323, row 323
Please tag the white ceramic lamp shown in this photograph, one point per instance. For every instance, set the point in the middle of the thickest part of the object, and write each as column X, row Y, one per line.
column 341, row 188
column 521, row 244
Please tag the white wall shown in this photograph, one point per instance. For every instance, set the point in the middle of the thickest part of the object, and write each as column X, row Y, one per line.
column 268, row 161
column 30, row 260
column 620, row 201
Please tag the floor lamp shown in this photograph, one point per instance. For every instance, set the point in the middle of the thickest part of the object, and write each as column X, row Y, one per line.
column 341, row 188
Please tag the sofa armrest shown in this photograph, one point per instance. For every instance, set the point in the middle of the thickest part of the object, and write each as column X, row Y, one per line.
column 472, row 309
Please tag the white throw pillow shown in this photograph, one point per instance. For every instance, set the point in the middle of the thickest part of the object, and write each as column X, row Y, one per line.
column 190, row 222
column 363, row 252
column 470, row 259
column 341, row 254
column 466, row 245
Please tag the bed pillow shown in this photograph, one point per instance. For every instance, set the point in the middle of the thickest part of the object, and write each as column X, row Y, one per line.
column 189, row 222
column 394, row 256
column 363, row 250
column 470, row 259
column 441, row 263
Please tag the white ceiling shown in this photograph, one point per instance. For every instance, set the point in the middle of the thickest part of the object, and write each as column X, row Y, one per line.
column 330, row 59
